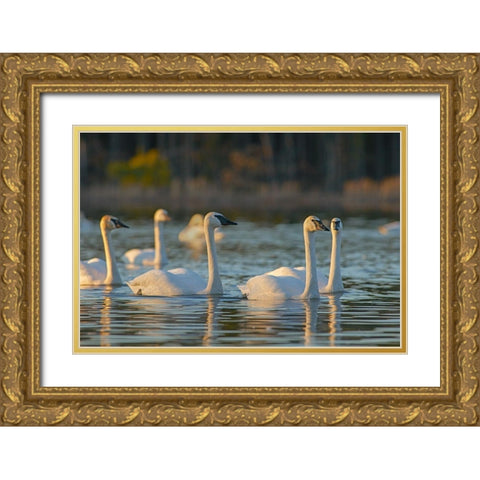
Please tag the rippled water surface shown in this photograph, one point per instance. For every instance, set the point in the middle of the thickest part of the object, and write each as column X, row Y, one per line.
column 367, row 314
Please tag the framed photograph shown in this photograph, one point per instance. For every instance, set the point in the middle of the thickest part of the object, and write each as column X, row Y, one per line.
column 266, row 178
column 239, row 239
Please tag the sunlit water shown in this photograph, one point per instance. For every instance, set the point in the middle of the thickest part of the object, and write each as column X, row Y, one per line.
column 367, row 314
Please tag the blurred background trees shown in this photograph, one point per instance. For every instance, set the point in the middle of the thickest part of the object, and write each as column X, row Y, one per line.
column 151, row 167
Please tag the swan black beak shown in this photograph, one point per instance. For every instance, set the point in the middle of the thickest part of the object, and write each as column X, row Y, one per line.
column 120, row 224
column 225, row 220
column 321, row 226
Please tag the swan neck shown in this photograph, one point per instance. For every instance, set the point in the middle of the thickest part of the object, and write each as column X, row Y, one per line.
column 113, row 275
column 335, row 283
column 214, row 285
column 311, row 281
column 160, row 259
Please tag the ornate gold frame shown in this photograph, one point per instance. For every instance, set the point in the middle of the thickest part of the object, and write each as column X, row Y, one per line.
column 24, row 77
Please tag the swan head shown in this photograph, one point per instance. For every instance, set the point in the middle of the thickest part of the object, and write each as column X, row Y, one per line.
column 161, row 215
column 336, row 225
column 313, row 223
column 109, row 222
column 215, row 220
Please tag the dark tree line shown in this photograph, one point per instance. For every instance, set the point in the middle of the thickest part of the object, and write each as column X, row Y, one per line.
column 239, row 160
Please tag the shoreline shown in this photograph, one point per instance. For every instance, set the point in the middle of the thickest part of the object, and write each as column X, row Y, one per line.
column 204, row 199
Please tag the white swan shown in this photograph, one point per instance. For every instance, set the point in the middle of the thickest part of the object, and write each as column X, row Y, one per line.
column 97, row 271
column 181, row 281
column 151, row 256
column 300, row 282
column 334, row 283
column 286, row 282
column 193, row 236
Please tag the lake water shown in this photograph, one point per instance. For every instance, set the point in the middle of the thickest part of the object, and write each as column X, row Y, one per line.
column 367, row 314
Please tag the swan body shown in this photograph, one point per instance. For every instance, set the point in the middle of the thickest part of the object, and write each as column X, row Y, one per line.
column 103, row 272
column 181, row 281
column 151, row 256
column 168, row 283
column 193, row 235
column 300, row 282
column 93, row 271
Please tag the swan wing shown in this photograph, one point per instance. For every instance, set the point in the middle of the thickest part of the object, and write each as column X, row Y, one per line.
column 93, row 272
column 299, row 272
column 178, row 281
column 322, row 279
column 191, row 281
column 272, row 286
column 283, row 282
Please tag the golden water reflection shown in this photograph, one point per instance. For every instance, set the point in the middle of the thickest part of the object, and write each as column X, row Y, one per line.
column 211, row 321
column 105, row 318
column 212, row 303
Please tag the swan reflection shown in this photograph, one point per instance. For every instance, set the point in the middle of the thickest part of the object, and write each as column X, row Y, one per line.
column 105, row 318
column 311, row 317
column 200, row 321
column 334, row 316
column 210, row 323
column 317, row 319
column 270, row 319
